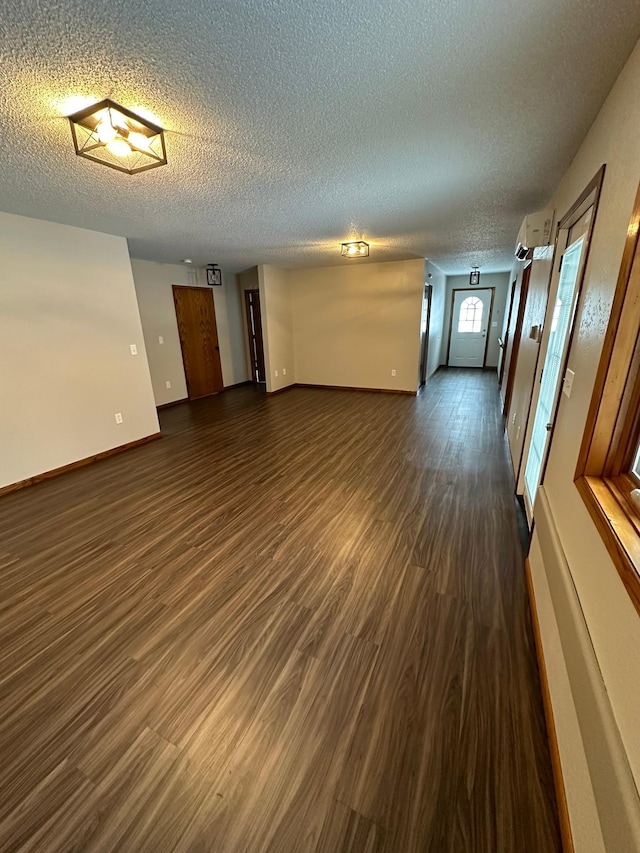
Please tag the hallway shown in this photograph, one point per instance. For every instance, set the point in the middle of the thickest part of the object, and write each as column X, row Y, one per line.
column 293, row 624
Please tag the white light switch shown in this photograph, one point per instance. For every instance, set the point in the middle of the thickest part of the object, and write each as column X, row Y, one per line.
column 276, row 373
column 284, row 371
column 393, row 373
column 118, row 417
column 567, row 382
column 134, row 349
column 168, row 384
column 160, row 339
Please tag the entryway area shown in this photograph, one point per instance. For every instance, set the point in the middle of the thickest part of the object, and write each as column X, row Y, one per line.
column 471, row 312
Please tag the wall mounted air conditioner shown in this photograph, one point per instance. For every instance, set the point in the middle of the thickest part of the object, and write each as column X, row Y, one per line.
column 536, row 230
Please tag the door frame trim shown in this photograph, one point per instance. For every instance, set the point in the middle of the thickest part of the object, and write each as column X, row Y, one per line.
column 455, row 290
column 573, row 214
column 424, row 356
column 247, row 309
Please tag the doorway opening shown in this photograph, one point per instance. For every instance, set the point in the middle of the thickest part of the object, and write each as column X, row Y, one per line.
column 254, row 332
column 425, row 325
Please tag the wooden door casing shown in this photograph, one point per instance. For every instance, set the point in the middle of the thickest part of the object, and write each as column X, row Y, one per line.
column 196, row 318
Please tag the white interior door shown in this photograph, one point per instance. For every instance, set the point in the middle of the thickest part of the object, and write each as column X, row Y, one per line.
column 557, row 342
column 470, row 323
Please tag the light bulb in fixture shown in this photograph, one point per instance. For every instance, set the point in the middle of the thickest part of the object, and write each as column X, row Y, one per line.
column 354, row 249
column 138, row 140
column 119, row 147
column 105, row 131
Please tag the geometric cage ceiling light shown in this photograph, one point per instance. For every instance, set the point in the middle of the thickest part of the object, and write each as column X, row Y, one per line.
column 355, row 249
column 116, row 137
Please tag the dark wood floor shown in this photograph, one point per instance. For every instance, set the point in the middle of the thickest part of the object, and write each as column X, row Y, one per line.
column 293, row 624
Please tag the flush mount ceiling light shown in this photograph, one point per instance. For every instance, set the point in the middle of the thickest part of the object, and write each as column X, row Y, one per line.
column 355, row 249
column 116, row 137
column 474, row 276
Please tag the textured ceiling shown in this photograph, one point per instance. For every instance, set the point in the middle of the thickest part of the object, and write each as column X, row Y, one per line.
column 427, row 128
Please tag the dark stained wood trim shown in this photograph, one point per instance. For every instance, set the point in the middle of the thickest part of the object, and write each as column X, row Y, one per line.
column 80, row 463
column 503, row 343
column 517, row 336
column 453, row 299
column 552, row 735
column 594, row 187
column 354, row 388
column 172, row 403
column 575, row 211
column 280, row 390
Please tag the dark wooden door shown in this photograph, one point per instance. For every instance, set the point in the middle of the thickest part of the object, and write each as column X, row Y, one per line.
column 196, row 318
column 254, row 331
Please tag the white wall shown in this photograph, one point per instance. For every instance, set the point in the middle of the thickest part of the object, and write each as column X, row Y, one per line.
column 277, row 327
column 68, row 315
column 354, row 324
column 438, row 282
column 153, row 283
column 500, row 281
column 612, row 621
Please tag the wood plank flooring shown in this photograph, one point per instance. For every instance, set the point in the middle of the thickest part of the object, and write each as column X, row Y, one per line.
column 294, row 624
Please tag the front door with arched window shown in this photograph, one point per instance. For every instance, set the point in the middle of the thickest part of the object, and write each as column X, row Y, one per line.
column 470, row 324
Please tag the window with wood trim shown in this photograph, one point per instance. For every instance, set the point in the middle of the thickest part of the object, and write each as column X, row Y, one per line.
column 608, row 471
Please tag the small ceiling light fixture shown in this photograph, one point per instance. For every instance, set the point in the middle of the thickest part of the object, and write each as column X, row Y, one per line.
column 214, row 275
column 186, row 261
column 116, row 137
column 474, row 276
column 355, row 249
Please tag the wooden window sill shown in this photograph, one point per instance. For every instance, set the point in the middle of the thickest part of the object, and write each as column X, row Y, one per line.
column 618, row 524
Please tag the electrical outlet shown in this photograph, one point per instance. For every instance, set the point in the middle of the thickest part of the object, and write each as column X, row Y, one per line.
column 134, row 349
column 168, row 384
column 118, row 417
column 393, row 373
column 160, row 339
column 276, row 373
column 513, row 417
column 284, row 371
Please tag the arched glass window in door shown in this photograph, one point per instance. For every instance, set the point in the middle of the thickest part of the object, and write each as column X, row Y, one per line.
column 470, row 317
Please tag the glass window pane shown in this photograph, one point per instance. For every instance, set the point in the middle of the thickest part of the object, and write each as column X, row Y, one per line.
column 470, row 316
column 636, row 463
column 560, row 327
